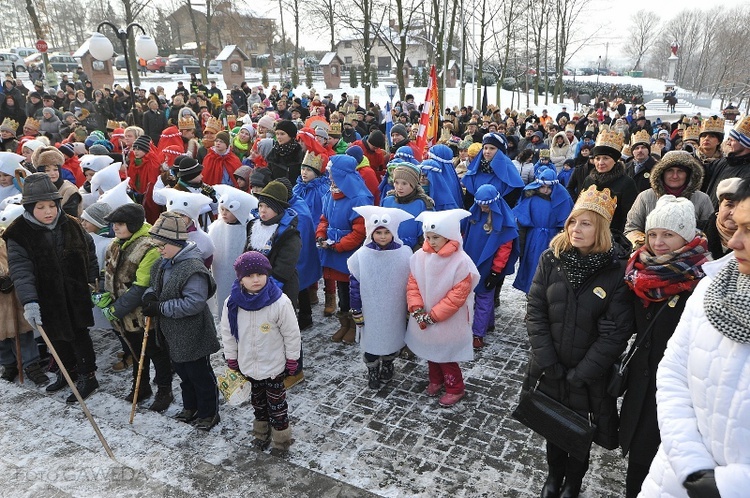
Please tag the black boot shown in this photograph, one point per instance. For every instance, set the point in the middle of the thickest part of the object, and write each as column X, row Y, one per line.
column 144, row 391
column 162, row 400
column 60, row 382
column 36, row 374
column 86, row 385
column 551, row 488
column 10, row 372
column 386, row 368
column 571, row 488
column 373, row 374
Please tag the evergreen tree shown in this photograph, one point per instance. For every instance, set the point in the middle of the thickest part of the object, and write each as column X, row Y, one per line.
column 352, row 77
column 295, row 77
column 264, row 77
column 374, row 79
column 308, row 76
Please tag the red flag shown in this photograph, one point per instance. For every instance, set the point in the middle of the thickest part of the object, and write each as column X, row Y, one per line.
column 430, row 118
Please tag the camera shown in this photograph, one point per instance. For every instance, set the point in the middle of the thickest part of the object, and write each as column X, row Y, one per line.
column 690, row 148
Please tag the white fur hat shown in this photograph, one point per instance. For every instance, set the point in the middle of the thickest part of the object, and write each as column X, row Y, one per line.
column 187, row 203
column 116, row 196
column 95, row 163
column 445, row 223
column 239, row 203
column 390, row 218
column 673, row 213
column 10, row 162
column 107, row 178
column 726, row 186
column 10, row 213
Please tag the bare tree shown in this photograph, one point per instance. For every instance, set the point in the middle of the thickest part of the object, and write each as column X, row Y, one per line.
column 359, row 20
column 323, row 10
column 645, row 29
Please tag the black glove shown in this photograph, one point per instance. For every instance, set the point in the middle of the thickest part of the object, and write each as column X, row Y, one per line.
column 150, row 306
column 492, row 280
column 702, row 484
column 573, row 380
column 555, row 372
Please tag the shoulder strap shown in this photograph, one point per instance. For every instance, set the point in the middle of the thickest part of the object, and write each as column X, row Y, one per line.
column 669, row 304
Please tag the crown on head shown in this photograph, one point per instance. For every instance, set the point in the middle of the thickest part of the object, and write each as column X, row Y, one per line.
column 743, row 126
column 640, row 137
column 544, row 153
column 32, row 123
column 335, row 130
column 349, row 118
column 214, row 125
column 570, row 127
column 9, row 124
column 714, row 124
column 186, row 123
column 313, row 161
column 599, row 201
column 692, row 132
column 112, row 124
column 611, row 139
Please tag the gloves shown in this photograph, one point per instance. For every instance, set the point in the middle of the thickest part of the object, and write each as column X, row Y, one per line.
column 702, row 484
column 233, row 365
column 101, row 299
column 109, row 313
column 492, row 280
column 151, row 308
column 573, row 380
column 358, row 318
column 292, row 366
column 605, row 326
column 417, row 312
column 555, row 372
column 33, row 315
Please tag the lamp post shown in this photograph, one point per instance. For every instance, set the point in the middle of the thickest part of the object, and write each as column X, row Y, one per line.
column 101, row 48
column 598, row 66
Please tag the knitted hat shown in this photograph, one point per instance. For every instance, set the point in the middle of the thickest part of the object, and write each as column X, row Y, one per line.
column 444, row 223
column 133, row 215
column 741, row 132
column 251, row 262
column 142, row 143
column 376, row 139
column 267, row 122
column 224, row 137
column 32, row 144
column 287, row 127
column 474, row 149
column 250, row 129
column 399, row 129
column 67, row 150
column 39, row 187
column 98, row 150
column 356, row 152
column 497, row 140
column 407, row 173
column 673, row 213
column 265, row 146
column 170, row 228
column 728, row 187
column 243, row 172
column 382, row 217
column 275, row 196
column 260, row 177
column 188, row 203
column 320, row 131
column 289, row 187
column 188, row 169
column 238, row 202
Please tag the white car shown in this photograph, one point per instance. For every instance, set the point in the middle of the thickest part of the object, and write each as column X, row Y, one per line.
column 7, row 60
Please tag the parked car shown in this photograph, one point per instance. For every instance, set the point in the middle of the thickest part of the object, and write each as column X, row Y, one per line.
column 120, row 62
column 157, row 64
column 60, row 62
column 179, row 65
column 214, row 66
column 24, row 52
column 179, row 56
column 7, row 60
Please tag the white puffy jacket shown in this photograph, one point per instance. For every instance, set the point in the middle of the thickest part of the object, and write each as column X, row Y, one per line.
column 267, row 338
column 703, row 404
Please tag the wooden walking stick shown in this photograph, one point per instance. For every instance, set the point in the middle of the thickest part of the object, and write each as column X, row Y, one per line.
column 75, row 391
column 140, row 369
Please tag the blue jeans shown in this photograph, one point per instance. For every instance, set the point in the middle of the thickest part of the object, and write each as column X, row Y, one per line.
column 29, row 350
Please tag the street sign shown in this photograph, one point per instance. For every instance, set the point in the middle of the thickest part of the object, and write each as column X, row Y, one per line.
column 391, row 89
column 41, row 46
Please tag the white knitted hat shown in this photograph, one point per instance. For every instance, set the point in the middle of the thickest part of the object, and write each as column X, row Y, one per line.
column 673, row 213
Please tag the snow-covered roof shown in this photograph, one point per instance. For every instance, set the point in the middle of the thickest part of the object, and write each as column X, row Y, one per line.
column 328, row 58
column 227, row 51
column 82, row 49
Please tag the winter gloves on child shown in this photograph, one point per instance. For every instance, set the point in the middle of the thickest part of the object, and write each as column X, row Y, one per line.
column 492, row 280
column 109, row 313
column 101, row 299
column 422, row 317
column 233, row 365
column 32, row 314
column 150, row 306
column 358, row 317
column 292, row 366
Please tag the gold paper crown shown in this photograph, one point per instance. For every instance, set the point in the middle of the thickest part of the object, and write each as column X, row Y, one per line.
column 611, row 139
column 544, row 153
column 714, row 124
column 313, row 161
column 231, row 117
column 598, row 201
column 591, row 128
column 112, row 124
column 9, row 124
column 32, row 123
column 82, row 115
column 626, row 151
column 682, row 126
column 692, row 132
column 570, row 127
column 742, row 126
column 349, row 118
column 214, row 125
column 640, row 137
column 186, row 123
column 335, row 130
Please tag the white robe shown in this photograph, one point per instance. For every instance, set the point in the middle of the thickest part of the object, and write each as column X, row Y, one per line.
column 229, row 242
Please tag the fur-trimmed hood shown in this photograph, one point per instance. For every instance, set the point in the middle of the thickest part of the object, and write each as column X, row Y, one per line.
column 675, row 158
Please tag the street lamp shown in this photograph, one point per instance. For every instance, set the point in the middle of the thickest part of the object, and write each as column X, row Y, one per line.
column 101, row 48
column 598, row 66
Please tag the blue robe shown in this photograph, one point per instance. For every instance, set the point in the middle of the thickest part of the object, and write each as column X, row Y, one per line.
column 312, row 193
column 504, row 177
column 308, row 265
column 482, row 246
column 340, row 215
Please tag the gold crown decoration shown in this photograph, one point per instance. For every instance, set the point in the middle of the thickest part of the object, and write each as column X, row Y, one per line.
column 112, row 124
column 312, row 160
column 82, row 115
column 570, row 127
column 682, row 126
column 591, row 128
column 32, row 123
column 349, row 118
column 213, row 125
column 335, row 130
column 742, row 126
column 692, row 132
column 599, row 201
column 10, row 125
column 714, row 124
column 544, row 154
column 611, row 139
column 626, row 151
column 640, row 137
column 186, row 123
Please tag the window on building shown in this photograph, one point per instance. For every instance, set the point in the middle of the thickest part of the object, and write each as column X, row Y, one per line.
column 348, row 44
column 347, row 60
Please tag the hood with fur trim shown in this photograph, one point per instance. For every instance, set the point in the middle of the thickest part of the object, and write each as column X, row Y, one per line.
column 674, row 158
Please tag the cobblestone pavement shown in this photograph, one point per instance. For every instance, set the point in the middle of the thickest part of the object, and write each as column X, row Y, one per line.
column 349, row 440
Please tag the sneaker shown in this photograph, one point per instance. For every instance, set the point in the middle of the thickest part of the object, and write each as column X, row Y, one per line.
column 10, row 372
column 123, row 364
column 478, row 342
column 36, row 374
column 293, row 380
column 86, row 386
column 433, row 389
column 205, row 424
column 186, row 415
column 451, row 399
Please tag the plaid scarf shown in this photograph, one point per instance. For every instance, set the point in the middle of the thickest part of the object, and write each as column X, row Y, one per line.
column 656, row 278
column 727, row 303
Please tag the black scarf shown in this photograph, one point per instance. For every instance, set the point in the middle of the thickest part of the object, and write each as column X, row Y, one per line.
column 291, row 147
column 579, row 267
column 604, row 179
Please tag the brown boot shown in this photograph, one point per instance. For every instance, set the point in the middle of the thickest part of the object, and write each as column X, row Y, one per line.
column 280, row 441
column 330, row 306
column 351, row 334
column 313, row 296
column 343, row 329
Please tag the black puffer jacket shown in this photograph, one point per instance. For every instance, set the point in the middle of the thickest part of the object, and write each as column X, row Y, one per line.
column 584, row 330
column 619, row 185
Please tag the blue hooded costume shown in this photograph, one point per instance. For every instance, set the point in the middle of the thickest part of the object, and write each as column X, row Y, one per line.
column 439, row 189
column 409, row 231
column 404, row 154
column 313, row 193
column 443, row 155
column 308, row 265
column 541, row 218
column 501, row 173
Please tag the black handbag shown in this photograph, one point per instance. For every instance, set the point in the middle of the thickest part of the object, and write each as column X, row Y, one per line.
column 555, row 422
column 618, row 378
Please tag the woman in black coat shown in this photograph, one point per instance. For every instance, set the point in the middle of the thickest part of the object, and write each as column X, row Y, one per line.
column 285, row 158
column 662, row 274
column 579, row 319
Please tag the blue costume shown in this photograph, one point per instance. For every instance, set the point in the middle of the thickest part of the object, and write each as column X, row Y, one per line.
column 541, row 218
column 308, row 265
column 501, row 173
column 409, row 231
column 443, row 155
column 439, row 189
column 313, row 193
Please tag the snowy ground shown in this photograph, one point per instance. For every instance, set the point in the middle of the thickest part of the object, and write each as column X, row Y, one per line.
column 349, row 441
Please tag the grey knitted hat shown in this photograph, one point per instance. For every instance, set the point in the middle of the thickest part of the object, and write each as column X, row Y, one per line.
column 96, row 214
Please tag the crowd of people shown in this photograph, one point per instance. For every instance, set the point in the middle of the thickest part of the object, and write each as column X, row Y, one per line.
column 618, row 229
